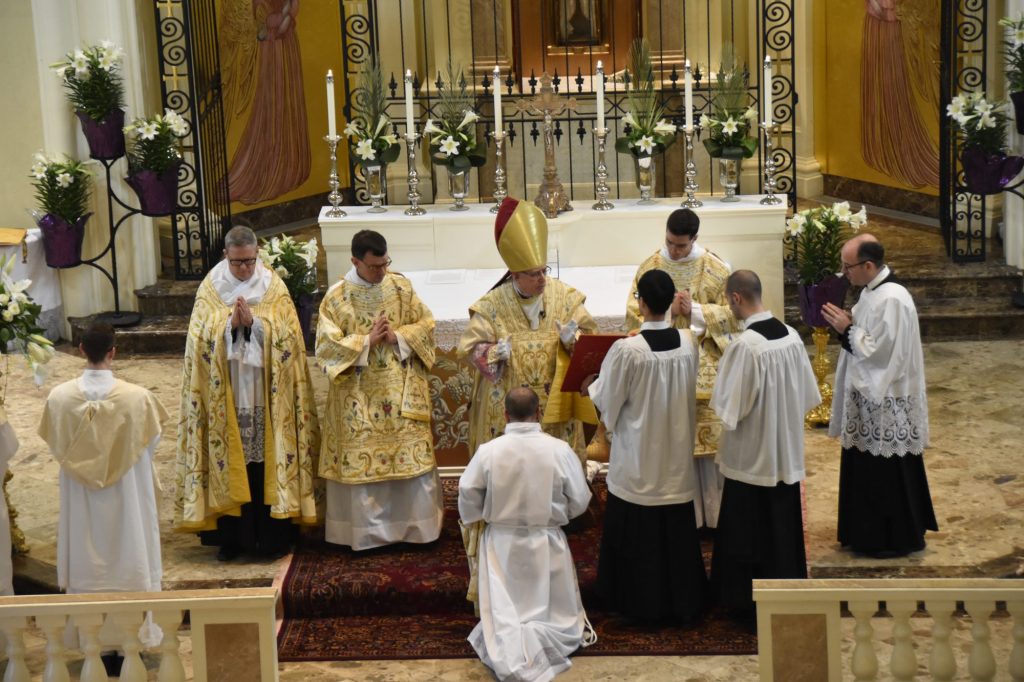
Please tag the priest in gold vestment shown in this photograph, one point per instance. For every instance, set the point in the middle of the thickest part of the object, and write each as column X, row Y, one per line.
column 375, row 341
column 700, row 305
column 248, row 434
column 515, row 336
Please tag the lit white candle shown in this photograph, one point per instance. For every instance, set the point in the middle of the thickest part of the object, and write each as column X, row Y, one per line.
column 332, row 129
column 768, row 91
column 497, row 99
column 688, row 95
column 410, row 127
column 600, row 95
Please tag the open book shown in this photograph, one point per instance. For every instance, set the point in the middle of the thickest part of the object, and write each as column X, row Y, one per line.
column 587, row 357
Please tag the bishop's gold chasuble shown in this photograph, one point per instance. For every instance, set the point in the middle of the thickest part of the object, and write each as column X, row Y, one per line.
column 377, row 419
column 705, row 278
column 535, row 352
column 210, row 475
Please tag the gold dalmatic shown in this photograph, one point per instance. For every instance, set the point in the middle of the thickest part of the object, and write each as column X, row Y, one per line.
column 377, row 419
column 704, row 278
column 210, row 475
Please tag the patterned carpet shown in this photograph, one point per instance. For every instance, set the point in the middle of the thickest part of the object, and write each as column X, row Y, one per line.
column 408, row 601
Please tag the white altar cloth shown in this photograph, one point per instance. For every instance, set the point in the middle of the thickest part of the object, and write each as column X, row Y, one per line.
column 45, row 288
column 596, row 251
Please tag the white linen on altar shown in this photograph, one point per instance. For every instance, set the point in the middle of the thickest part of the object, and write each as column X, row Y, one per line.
column 525, row 485
column 407, row 510
column 45, row 289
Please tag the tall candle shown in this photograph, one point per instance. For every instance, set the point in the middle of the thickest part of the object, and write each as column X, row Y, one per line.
column 332, row 129
column 497, row 99
column 688, row 95
column 410, row 127
column 600, row 95
column 768, row 91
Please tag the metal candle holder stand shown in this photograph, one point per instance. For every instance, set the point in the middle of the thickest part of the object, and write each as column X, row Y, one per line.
column 769, row 167
column 332, row 181
column 499, row 170
column 601, row 174
column 690, row 172
column 414, row 177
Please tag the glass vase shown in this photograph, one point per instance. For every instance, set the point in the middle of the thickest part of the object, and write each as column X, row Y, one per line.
column 376, row 187
column 458, row 185
column 729, row 177
column 645, row 178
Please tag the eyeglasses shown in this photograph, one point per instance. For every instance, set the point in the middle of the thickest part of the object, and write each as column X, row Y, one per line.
column 239, row 262
column 537, row 274
column 851, row 266
column 376, row 268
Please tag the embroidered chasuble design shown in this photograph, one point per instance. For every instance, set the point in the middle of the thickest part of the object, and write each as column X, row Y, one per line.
column 705, row 279
column 211, row 477
column 377, row 419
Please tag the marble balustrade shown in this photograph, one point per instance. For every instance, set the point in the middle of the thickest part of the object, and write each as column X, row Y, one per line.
column 232, row 632
column 800, row 634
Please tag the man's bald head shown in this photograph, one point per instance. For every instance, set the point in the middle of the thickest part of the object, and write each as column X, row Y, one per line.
column 746, row 283
column 863, row 257
column 521, row 404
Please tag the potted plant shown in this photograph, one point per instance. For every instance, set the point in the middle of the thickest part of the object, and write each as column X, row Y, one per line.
column 452, row 140
column 818, row 235
column 1015, row 65
column 153, row 160
column 374, row 145
column 728, row 125
column 987, row 166
column 62, row 190
column 295, row 263
column 647, row 133
column 19, row 329
column 92, row 79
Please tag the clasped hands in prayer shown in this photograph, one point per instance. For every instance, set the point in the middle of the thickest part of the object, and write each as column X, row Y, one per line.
column 241, row 315
column 838, row 318
column 682, row 304
column 381, row 332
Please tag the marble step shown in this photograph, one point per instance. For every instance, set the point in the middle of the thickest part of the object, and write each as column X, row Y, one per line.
column 155, row 335
column 167, row 297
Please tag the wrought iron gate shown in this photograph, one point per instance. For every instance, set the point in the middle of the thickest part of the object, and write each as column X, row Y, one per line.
column 190, row 84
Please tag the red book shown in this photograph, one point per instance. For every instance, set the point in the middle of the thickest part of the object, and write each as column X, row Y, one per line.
column 587, row 357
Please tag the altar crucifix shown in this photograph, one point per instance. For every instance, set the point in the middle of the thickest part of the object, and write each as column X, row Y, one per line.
column 552, row 198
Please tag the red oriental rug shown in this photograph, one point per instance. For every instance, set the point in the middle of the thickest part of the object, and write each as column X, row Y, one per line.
column 408, row 601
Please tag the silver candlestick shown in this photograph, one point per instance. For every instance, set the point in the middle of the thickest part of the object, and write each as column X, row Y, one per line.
column 769, row 167
column 414, row 177
column 335, row 196
column 691, row 171
column 499, row 170
column 601, row 174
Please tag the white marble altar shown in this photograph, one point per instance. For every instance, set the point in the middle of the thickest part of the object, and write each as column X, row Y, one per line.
column 746, row 234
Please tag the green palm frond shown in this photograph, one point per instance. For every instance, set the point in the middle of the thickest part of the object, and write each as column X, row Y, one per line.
column 641, row 94
column 453, row 99
column 373, row 104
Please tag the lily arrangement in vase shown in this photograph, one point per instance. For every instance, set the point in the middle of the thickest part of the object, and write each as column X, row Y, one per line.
column 153, row 160
column 374, row 145
column 648, row 134
column 92, row 79
column 294, row 262
column 452, row 139
column 1015, row 65
column 728, row 124
column 19, row 317
column 62, row 188
column 982, row 124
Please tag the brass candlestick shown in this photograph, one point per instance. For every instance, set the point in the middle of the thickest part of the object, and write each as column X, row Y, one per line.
column 769, row 168
column 822, row 414
column 335, row 196
column 414, row 177
column 601, row 174
column 499, row 170
column 691, row 172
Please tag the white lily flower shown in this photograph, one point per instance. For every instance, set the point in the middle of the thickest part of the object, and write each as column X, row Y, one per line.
column 750, row 114
column 1017, row 38
column 20, row 298
column 80, row 63
column 705, row 121
column 13, row 308
column 449, row 146
column 663, row 127
column 730, row 126
column 955, row 107
column 430, row 128
column 351, row 130
column 37, row 353
column 147, row 130
column 107, row 60
column 390, row 138
column 179, row 127
column 983, row 107
column 381, row 122
column 106, row 44
column 468, row 118
column 859, row 219
column 39, row 170
column 15, row 288
column 645, row 144
column 795, row 225
column 842, row 211
column 65, row 180
column 281, row 271
column 365, row 150
column 987, row 120
column 275, row 244
column 627, row 119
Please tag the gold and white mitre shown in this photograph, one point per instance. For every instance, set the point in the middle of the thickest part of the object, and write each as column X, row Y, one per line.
column 521, row 233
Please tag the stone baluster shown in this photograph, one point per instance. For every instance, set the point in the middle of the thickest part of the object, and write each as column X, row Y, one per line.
column 1016, row 667
column 864, row 663
column 13, row 628
column 89, row 625
column 171, row 669
column 903, row 663
column 56, row 666
column 981, row 664
column 128, row 624
column 941, row 662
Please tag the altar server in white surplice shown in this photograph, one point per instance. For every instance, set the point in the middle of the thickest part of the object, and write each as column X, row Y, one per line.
column 103, row 432
column 526, row 484
column 765, row 386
